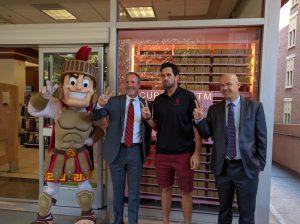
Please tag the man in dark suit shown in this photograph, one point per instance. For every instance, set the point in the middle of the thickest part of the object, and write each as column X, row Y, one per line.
column 238, row 128
column 126, row 158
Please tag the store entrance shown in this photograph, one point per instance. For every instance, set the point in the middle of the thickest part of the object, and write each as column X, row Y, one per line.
column 51, row 60
column 18, row 158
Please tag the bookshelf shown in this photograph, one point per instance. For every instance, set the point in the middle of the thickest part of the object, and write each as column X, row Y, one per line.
column 29, row 136
column 29, row 126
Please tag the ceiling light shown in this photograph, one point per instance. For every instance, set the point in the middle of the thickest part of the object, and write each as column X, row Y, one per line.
column 140, row 12
column 59, row 14
column 122, row 12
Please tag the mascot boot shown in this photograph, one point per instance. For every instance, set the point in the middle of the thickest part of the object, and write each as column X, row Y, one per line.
column 85, row 201
column 45, row 203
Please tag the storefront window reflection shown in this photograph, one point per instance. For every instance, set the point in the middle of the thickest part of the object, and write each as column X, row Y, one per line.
column 202, row 55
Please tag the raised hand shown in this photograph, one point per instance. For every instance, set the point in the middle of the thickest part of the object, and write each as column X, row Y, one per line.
column 103, row 99
column 146, row 113
column 198, row 111
column 48, row 90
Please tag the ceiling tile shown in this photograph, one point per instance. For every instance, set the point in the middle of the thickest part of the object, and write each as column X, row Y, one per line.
column 196, row 7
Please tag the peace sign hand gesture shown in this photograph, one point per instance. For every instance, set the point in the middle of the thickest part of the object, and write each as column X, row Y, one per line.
column 146, row 113
column 103, row 99
column 48, row 90
column 198, row 111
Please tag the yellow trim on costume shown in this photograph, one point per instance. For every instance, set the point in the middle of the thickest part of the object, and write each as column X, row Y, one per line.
column 77, row 177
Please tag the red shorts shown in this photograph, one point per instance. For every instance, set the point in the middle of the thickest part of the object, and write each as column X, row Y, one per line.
column 167, row 165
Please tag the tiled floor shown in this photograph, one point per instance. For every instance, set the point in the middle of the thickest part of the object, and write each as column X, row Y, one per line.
column 284, row 204
column 28, row 164
column 22, row 183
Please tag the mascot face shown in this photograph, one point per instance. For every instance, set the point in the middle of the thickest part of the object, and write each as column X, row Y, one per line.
column 78, row 90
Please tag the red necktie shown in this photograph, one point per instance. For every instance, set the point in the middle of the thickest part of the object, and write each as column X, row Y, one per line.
column 129, row 124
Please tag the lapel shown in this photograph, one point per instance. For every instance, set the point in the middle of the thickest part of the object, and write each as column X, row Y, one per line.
column 222, row 115
column 142, row 119
column 243, row 109
column 222, row 119
column 142, row 100
column 122, row 110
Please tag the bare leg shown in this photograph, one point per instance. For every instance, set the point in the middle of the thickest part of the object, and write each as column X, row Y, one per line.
column 187, row 205
column 166, row 201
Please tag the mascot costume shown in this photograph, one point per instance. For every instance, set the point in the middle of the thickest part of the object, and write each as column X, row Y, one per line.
column 69, row 158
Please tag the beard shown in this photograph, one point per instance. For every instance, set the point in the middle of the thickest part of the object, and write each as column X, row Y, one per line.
column 168, row 84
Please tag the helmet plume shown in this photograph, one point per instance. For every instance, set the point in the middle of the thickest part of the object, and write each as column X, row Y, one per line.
column 83, row 53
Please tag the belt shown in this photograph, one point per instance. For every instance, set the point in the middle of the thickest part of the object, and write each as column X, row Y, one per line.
column 132, row 145
column 233, row 161
column 70, row 152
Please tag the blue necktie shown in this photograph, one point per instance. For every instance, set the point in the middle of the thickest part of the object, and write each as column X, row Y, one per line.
column 231, row 147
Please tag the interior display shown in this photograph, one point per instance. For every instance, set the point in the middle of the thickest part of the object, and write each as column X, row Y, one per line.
column 202, row 56
column 200, row 68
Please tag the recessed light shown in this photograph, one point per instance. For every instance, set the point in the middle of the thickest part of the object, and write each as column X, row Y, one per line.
column 140, row 12
column 59, row 14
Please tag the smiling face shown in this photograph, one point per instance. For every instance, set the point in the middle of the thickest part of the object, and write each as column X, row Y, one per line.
column 229, row 85
column 77, row 90
column 132, row 85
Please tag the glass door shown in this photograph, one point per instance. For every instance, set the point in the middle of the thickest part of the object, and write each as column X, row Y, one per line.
column 51, row 60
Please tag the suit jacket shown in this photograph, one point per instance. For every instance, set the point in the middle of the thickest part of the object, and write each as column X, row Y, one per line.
column 252, row 135
column 116, row 108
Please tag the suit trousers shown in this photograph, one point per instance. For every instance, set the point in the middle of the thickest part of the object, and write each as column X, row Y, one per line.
column 234, row 179
column 127, row 162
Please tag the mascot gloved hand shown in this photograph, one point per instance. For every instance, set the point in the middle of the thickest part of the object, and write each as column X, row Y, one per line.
column 70, row 159
column 48, row 90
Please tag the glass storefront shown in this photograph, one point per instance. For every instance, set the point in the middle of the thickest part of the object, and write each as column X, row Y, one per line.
column 202, row 53
column 202, row 56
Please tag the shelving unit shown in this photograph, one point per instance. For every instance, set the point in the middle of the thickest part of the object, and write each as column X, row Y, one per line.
column 29, row 126
column 205, row 191
column 200, row 70
column 29, row 136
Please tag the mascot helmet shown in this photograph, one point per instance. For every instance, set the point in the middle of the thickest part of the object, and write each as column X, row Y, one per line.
column 79, row 65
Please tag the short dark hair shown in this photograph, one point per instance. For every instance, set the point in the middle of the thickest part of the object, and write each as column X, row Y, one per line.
column 134, row 73
column 174, row 67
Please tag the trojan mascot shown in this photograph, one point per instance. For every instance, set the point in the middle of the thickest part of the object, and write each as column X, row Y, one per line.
column 69, row 159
